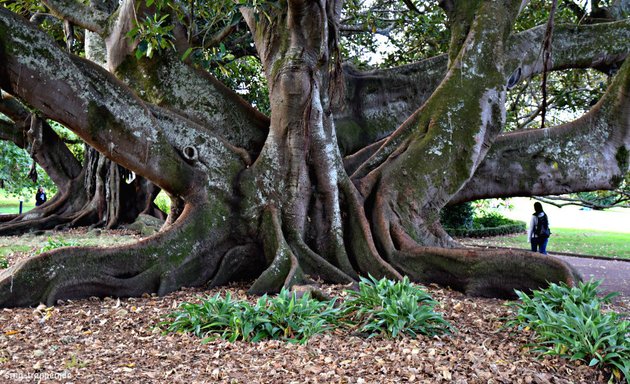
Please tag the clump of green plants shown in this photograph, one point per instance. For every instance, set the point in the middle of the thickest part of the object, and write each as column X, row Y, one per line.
column 4, row 263
column 387, row 308
column 56, row 243
column 379, row 308
column 284, row 317
column 569, row 322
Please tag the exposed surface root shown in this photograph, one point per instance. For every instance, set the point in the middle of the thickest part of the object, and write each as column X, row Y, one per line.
column 162, row 263
column 488, row 273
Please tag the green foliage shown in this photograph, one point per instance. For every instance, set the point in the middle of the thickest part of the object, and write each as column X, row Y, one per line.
column 570, row 93
column 4, row 263
column 492, row 219
column 569, row 322
column 502, row 230
column 163, row 202
column 56, row 243
column 391, row 309
column 283, row 317
column 480, row 220
column 244, row 75
column 380, row 307
column 393, row 32
column 458, row 216
column 154, row 33
column 15, row 164
column 26, row 9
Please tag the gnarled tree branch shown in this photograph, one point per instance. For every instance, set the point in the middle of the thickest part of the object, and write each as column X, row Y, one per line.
column 79, row 14
column 590, row 153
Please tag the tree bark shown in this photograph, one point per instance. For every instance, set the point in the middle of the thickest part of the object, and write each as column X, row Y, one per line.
column 286, row 212
column 588, row 154
column 378, row 101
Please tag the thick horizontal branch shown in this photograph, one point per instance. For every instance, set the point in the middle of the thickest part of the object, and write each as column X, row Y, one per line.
column 102, row 110
column 79, row 14
column 201, row 98
column 378, row 101
column 574, row 46
column 588, row 154
column 10, row 132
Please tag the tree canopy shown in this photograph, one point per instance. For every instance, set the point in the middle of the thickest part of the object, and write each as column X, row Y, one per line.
column 290, row 158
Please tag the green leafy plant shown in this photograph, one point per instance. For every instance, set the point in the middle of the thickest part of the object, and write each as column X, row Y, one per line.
column 56, row 243
column 478, row 219
column 458, row 216
column 380, row 307
column 387, row 308
column 153, row 33
column 569, row 322
column 284, row 317
column 4, row 263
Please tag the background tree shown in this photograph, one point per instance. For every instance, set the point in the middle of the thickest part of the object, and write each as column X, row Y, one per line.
column 333, row 183
column 91, row 189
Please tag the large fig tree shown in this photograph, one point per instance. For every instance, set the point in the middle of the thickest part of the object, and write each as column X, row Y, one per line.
column 347, row 175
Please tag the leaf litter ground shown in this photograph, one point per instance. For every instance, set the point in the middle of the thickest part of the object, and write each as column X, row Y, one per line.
column 118, row 341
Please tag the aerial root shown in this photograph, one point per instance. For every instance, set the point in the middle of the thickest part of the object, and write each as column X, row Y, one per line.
column 361, row 242
column 284, row 270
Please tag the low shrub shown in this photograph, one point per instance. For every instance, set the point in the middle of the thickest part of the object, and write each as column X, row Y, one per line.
column 379, row 308
column 569, row 322
column 492, row 219
column 284, row 317
column 4, row 263
column 458, row 216
column 387, row 308
column 489, row 224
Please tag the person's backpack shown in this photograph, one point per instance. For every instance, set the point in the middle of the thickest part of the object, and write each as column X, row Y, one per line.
column 542, row 227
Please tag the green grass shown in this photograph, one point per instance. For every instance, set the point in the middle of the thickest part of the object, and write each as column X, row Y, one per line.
column 11, row 204
column 6, row 249
column 580, row 241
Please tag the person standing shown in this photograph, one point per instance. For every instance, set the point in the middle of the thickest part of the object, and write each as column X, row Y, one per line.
column 538, row 231
column 40, row 196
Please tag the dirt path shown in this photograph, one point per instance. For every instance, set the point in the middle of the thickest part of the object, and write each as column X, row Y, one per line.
column 614, row 273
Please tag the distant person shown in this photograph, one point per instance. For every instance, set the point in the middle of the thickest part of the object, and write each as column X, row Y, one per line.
column 40, row 196
column 538, row 231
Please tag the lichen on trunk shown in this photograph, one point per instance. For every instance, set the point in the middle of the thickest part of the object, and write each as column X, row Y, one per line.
column 279, row 206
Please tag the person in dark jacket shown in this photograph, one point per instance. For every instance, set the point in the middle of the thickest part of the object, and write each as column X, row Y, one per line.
column 40, row 196
column 538, row 230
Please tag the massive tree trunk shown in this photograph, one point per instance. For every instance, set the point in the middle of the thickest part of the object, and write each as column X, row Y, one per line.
column 272, row 199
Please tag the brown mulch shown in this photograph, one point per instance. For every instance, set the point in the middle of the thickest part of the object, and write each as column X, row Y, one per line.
column 118, row 341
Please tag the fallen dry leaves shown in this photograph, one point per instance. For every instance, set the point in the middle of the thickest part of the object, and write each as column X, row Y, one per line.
column 117, row 341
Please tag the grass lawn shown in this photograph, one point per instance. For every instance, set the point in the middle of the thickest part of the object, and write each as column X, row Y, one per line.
column 11, row 204
column 580, row 241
